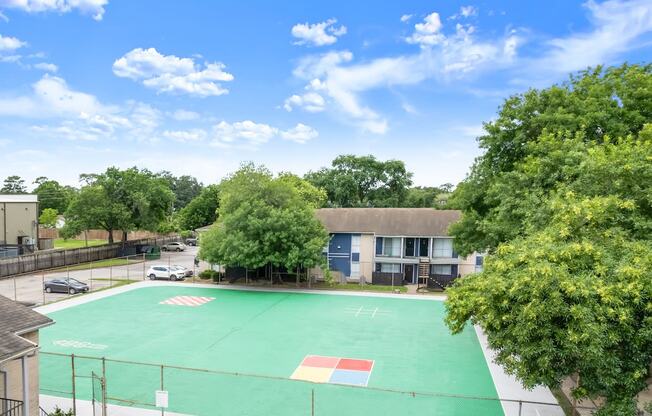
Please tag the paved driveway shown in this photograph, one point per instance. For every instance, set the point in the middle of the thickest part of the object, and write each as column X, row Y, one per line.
column 29, row 287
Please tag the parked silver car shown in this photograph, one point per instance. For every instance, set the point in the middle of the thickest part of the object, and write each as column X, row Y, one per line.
column 174, row 246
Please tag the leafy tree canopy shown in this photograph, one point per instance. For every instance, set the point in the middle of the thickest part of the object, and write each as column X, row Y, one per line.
column 569, row 292
column 201, row 211
column 48, row 218
column 265, row 220
column 185, row 188
column 51, row 194
column 612, row 102
column 427, row 196
column 13, row 185
column 361, row 181
column 122, row 200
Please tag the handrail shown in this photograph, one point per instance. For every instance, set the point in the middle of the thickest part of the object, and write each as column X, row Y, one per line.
column 10, row 407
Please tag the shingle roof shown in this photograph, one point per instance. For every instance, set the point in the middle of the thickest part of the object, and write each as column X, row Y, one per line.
column 417, row 222
column 15, row 319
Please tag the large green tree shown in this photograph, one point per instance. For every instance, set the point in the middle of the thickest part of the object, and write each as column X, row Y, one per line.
column 201, row 211
column 264, row 220
column 93, row 208
column 363, row 181
column 122, row 200
column 185, row 188
column 13, row 185
column 611, row 102
column 51, row 194
column 567, row 216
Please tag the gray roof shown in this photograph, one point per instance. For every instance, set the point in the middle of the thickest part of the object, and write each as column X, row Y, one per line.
column 417, row 222
column 17, row 319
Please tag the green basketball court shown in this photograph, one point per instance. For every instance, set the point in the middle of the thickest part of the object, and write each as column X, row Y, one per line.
column 268, row 353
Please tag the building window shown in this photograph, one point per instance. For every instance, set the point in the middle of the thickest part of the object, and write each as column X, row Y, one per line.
column 388, row 246
column 441, row 269
column 388, row 267
column 355, row 269
column 442, row 247
column 355, row 243
column 479, row 263
column 409, row 247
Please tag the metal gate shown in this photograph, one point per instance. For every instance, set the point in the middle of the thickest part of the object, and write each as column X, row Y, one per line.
column 99, row 395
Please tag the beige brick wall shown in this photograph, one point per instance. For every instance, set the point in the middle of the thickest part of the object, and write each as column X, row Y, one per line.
column 14, row 386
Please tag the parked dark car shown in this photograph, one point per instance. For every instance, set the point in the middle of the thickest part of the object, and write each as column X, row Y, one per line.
column 71, row 286
column 191, row 241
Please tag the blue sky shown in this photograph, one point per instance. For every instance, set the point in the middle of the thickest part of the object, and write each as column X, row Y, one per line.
column 197, row 87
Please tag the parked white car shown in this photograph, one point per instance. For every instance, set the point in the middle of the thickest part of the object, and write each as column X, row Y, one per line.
column 165, row 272
column 184, row 271
column 175, row 246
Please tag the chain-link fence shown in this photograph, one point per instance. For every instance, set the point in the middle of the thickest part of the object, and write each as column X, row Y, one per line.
column 208, row 392
column 49, row 285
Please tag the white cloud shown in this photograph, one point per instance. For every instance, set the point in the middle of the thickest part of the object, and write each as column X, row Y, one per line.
column 617, row 26
column 9, row 44
column 406, row 18
column 47, row 67
column 185, row 115
column 465, row 12
column 310, row 101
column 247, row 133
column 192, row 135
column 76, row 115
column 428, row 32
column 94, row 8
column 317, row 34
column 300, row 133
column 250, row 135
column 171, row 74
column 341, row 83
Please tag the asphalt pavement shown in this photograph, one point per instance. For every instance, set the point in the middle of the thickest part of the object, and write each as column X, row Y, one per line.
column 29, row 287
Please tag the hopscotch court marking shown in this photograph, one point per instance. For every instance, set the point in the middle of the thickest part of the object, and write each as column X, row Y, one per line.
column 334, row 370
column 367, row 312
column 187, row 300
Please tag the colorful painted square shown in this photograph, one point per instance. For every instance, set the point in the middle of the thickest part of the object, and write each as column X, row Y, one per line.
column 352, row 377
column 314, row 374
column 351, row 364
column 336, row 370
column 319, row 361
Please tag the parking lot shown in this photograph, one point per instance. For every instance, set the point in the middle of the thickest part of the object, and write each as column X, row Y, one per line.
column 29, row 287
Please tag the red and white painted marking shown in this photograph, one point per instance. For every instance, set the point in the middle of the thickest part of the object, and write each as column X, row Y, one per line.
column 187, row 300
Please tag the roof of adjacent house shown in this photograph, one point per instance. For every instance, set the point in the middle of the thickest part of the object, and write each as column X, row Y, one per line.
column 416, row 222
column 17, row 320
column 18, row 198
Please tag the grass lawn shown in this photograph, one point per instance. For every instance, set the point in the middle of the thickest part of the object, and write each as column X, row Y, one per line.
column 291, row 346
column 72, row 243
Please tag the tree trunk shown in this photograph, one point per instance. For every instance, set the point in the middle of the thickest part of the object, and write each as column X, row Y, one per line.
column 124, row 237
column 110, row 236
column 86, row 237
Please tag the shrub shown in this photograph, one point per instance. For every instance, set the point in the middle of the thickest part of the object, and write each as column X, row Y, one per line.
column 209, row 274
column 59, row 412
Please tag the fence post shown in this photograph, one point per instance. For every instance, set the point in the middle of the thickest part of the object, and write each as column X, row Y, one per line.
column 128, row 278
column 520, row 408
column 144, row 269
column 43, row 286
column 312, row 403
column 15, row 290
column 104, row 386
column 74, row 390
column 90, row 269
column 162, row 388
column 110, row 275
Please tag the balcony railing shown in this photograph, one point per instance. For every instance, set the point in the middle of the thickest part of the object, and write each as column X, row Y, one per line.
column 9, row 407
